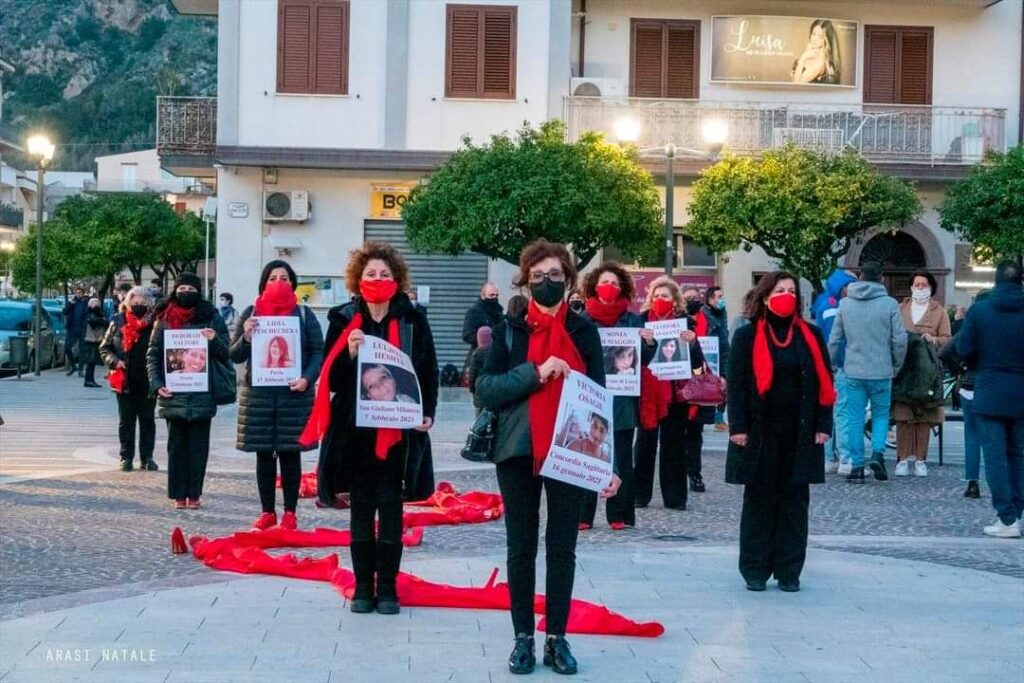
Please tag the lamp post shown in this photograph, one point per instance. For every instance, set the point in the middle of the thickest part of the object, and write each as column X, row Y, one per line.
column 39, row 147
column 714, row 132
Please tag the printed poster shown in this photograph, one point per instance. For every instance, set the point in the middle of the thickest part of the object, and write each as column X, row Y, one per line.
column 621, row 346
column 185, row 361
column 276, row 351
column 581, row 451
column 709, row 346
column 387, row 390
column 672, row 359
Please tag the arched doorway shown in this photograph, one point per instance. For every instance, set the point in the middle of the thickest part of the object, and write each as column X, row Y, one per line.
column 900, row 255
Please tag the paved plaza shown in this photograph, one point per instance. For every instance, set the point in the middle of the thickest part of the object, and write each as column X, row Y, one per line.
column 900, row 585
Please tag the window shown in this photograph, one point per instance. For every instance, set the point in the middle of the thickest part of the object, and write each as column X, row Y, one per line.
column 898, row 64
column 689, row 255
column 480, row 52
column 312, row 47
column 664, row 59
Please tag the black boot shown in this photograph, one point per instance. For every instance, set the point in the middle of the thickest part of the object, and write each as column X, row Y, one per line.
column 150, row 465
column 523, row 657
column 856, row 475
column 558, row 656
column 389, row 557
column 126, row 465
column 363, row 560
column 877, row 465
column 972, row 489
column 697, row 483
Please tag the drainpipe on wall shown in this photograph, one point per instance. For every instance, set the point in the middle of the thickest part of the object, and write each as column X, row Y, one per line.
column 583, row 38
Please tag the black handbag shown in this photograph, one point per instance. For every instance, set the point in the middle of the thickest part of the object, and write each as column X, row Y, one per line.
column 480, row 443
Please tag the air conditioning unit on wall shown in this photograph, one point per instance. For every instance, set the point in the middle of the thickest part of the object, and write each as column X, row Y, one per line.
column 283, row 206
column 597, row 87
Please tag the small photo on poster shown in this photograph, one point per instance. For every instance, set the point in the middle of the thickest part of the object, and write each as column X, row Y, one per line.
column 582, row 448
column 672, row 358
column 186, row 354
column 276, row 351
column 387, row 390
column 621, row 346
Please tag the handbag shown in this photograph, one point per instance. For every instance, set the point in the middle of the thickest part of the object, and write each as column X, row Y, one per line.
column 223, row 380
column 482, row 438
column 707, row 389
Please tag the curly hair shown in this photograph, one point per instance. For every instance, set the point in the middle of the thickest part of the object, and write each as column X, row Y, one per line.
column 616, row 269
column 358, row 258
column 538, row 250
column 673, row 287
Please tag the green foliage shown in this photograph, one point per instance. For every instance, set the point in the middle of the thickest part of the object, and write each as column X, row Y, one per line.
column 987, row 207
column 803, row 208
column 151, row 30
column 36, row 90
column 496, row 198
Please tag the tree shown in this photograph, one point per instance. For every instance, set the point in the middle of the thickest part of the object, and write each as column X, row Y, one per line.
column 496, row 198
column 987, row 207
column 801, row 207
column 62, row 257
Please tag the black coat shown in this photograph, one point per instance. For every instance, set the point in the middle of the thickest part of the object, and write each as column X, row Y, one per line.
column 112, row 351
column 626, row 409
column 747, row 411
column 272, row 418
column 480, row 314
column 192, row 406
column 418, row 343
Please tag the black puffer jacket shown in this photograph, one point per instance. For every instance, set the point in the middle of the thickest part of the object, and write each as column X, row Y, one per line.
column 417, row 342
column 112, row 351
column 271, row 418
column 187, row 406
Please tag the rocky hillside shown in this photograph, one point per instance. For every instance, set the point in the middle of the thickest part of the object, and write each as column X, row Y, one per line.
column 89, row 71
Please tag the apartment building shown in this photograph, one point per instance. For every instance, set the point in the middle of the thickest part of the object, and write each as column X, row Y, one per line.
column 328, row 111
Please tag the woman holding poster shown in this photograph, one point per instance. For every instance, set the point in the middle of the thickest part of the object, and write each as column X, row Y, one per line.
column 275, row 334
column 189, row 406
column 377, row 466
column 523, row 386
column 780, row 416
column 609, row 290
column 662, row 417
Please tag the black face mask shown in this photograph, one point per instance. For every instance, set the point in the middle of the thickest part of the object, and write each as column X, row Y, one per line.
column 547, row 293
column 692, row 307
column 188, row 299
column 576, row 305
column 139, row 310
column 492, row 303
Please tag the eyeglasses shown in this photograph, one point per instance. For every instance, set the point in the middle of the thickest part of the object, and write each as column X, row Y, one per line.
column 538, row 276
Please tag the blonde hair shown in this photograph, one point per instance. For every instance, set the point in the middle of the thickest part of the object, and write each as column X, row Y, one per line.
column 663, row 281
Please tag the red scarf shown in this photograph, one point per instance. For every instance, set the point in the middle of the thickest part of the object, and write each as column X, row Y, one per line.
column 131, row 330
column 278, row 298
column 606, row 314
column 764, row 366
column 176, row 316
column 701, row 328
column 548, row 338
column 320, row 419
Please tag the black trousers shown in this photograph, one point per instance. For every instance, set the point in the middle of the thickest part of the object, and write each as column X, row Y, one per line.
column 372, row 499
column 694, row 447
column 773, row 525
column 676, row 434
column 266, row 478
column 521, row 491
column 188, row 450
column 72, row 350
column 131, row 409
column 618, row 508
column 90, row 356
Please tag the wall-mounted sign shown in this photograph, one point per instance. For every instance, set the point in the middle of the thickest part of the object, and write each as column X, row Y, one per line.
column 238, row 209
column 784, row 50
column 387, row 199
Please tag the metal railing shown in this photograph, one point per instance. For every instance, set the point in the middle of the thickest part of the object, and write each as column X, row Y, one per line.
column 11, row 217
column 186, row 126
column 882, row 133
column 163, row 186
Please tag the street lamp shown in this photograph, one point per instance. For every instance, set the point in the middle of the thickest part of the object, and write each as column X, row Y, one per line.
column 40, row 148
column 714, row 133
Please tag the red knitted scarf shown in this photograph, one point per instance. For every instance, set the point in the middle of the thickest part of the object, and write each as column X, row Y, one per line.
column 176, row 316
column 604, row 313
column 132, row 329
column 764, row 366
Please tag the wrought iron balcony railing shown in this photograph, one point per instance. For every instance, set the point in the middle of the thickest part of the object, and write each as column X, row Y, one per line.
column 186, row 126
column 11, row 217
column 895, row 134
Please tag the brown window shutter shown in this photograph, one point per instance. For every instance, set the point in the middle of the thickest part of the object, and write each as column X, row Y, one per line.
column 664, row 58
column 462, row 70
column 647, row 58
column 898, row 65
column 916, row 66
column 330, row 72
column 682, row 64
column 499, row 52
column 294, row 31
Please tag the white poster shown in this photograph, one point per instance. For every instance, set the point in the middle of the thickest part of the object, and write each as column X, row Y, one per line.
column 387, row 388
column 185, row 361
column 709, row 346
column 672, row 359
column 621, row 346
column 276, row 351
column 581, row 450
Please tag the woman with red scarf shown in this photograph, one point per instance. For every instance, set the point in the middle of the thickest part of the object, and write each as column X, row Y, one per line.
column 123, row 351
column 188, row 414
column 270, row 419
column 609, row 290
column 378, row 467
column 781, row 394
column 663, row 418
column 522, row 385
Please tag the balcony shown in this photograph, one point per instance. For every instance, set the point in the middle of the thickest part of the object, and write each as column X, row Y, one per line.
column 186, row 134
column 11, row 217
column 917, row 141
column 180, row 186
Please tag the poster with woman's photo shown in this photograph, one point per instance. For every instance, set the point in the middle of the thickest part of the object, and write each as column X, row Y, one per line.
column 185, row 361
column 581, row 451
column 672, row 359
column 387, row 389
column 621, row 346
column 276, row 351
column 709, row 347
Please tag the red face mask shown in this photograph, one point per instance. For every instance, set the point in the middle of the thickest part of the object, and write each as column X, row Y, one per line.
column 662, row 307
column 782, row 305
column 378, row 291
column 608, row 292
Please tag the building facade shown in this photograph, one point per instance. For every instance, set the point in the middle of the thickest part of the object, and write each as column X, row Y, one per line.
column 328, row 111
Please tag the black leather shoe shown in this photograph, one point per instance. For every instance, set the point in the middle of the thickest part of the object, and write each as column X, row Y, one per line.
column 362, row 599
column 756, row 586
column 126, row 465
column 856, row 475
column 150, row 465
column 792, row 586
column 558, row 656
column 91, row 385
column 972, row 490
column 523, row 657
column 697, row 484
column 877, row 466
column 387, row 599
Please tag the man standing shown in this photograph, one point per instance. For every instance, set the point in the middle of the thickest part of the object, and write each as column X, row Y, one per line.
column 869, row 343
column 76, row 312
column 484, row 313
column 991, row 335
column 824, row 310
column 156, row 288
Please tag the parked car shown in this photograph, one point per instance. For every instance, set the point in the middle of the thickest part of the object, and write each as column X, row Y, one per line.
column 60, row 332
column 16, row 320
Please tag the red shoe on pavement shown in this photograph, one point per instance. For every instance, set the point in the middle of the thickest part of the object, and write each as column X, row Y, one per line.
column 584, row 526
column 179, row 504
column 617, row 526
column 289, row 521
column 193, row 503
column 265, row 521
